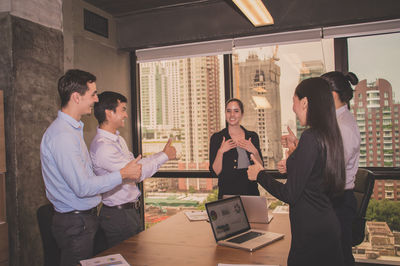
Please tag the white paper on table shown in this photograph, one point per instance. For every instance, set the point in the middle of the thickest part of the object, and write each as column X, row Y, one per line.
column 110, row 260
column 223, row 264
column 281, row 209
column 196, row 215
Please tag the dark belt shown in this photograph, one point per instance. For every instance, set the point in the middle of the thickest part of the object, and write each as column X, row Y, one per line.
column 129, row 205
column 92, row 211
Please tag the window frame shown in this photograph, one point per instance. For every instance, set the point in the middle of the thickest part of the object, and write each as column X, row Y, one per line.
column 339, row 35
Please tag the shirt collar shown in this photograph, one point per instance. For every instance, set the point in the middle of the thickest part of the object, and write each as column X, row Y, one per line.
column 227, row 136
column 108, row 135
column 341, row 110
column 70, row 120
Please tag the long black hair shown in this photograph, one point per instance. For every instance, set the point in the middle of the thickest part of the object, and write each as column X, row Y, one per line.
column 341, row 84
column 321, row 118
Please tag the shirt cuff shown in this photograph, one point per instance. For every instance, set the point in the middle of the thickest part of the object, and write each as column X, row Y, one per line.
column 162, row 157
column 116, row 177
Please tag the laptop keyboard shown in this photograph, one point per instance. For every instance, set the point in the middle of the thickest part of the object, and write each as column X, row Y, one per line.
column 243, row 238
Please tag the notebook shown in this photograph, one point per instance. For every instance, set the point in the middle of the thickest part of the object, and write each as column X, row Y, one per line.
column 256, row 208
column 231, row 228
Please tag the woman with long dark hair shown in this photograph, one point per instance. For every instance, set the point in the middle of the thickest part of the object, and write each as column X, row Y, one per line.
column 345, row 206
column 315, row 175
column 230, row 151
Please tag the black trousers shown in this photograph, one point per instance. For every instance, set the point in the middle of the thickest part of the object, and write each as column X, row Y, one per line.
column 345, row 209
column 74, row 234
column 120, row 224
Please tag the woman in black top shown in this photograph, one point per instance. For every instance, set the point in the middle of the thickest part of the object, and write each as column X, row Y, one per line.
column 315, row 174
column 230, row 151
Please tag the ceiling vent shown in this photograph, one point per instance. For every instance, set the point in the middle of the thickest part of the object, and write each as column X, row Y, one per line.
column 95, row 23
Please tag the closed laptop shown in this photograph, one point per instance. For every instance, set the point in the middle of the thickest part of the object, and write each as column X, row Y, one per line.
column 256, row 208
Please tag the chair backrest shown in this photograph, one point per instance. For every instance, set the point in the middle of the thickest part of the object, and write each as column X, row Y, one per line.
column 51, row 252
column 364, row 185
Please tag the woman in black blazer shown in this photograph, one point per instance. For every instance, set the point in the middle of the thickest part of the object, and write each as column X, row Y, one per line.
column 230, row 151
column 315, row 174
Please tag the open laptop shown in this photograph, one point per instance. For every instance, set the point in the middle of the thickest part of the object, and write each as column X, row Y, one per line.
column 231, row 228
column 256, row 208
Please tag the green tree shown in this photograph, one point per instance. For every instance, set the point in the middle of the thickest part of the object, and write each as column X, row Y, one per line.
column 213, row 196
column 384, row 211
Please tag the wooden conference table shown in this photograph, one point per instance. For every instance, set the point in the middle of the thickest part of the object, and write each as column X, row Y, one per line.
column 177, row 241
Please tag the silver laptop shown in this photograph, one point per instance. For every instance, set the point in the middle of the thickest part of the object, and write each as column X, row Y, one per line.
column 256, row 208
column 231, row 228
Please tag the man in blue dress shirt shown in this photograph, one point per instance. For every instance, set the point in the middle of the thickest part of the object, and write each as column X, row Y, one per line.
column 71, row 185
column 120, row 215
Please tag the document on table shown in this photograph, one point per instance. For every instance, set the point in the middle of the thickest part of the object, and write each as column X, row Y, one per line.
column 196, row 215
column 281, row 209
column 110, row 260
column 223, row 264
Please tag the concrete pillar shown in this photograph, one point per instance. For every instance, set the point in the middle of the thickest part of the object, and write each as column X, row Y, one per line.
column 31, row 60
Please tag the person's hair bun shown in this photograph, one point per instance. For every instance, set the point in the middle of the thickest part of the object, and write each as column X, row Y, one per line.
column 352, row 78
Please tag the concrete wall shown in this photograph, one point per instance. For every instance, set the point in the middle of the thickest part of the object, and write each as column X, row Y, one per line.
column 43, row 12
column 31, row 60
column 98, row 55
column 34, row 53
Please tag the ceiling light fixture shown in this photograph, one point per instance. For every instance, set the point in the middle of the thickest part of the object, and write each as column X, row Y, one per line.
column 255, row 11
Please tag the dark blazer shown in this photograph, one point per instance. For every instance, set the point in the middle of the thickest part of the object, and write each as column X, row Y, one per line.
column 314, row 224
column 233, row 181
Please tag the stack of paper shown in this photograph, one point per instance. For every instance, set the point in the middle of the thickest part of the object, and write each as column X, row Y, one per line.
column 196, row 215
column 223, row 264
column 110, row 260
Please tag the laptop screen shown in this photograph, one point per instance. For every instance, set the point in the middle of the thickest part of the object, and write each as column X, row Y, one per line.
column 227, row 217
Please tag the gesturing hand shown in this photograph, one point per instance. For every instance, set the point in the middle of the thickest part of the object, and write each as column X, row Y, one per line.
column 170, row 150
column 254, row 169
column 133, row 170
column 282, row 166
column 289, row 141
column 227, row 145
column 247, row 145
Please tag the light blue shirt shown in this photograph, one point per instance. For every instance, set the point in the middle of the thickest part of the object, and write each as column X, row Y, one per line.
column 67, row 169
column 109, row 152
column 351, row 143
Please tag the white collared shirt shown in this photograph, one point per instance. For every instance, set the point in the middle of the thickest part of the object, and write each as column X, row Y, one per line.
column 351, row 143
column 109, row 153
column 67, row 169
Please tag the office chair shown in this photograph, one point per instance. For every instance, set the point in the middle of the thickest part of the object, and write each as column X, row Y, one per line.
column 51, row 252
column 364, row 185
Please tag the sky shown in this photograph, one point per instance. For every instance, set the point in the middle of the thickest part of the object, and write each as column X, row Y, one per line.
column 374, row 57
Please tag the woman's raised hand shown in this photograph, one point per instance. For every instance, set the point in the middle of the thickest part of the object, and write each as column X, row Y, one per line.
column 281, row 165
column 226, row 145
column 247, row 145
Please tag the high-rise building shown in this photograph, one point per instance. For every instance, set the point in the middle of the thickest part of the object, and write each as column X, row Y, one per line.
column 181, row 99
column 377, row 117
column 259, row 90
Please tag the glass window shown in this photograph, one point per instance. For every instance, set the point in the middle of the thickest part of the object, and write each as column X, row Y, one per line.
column 181, row 99
column 375, row 59
column 184, row 100
column 264, row 78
